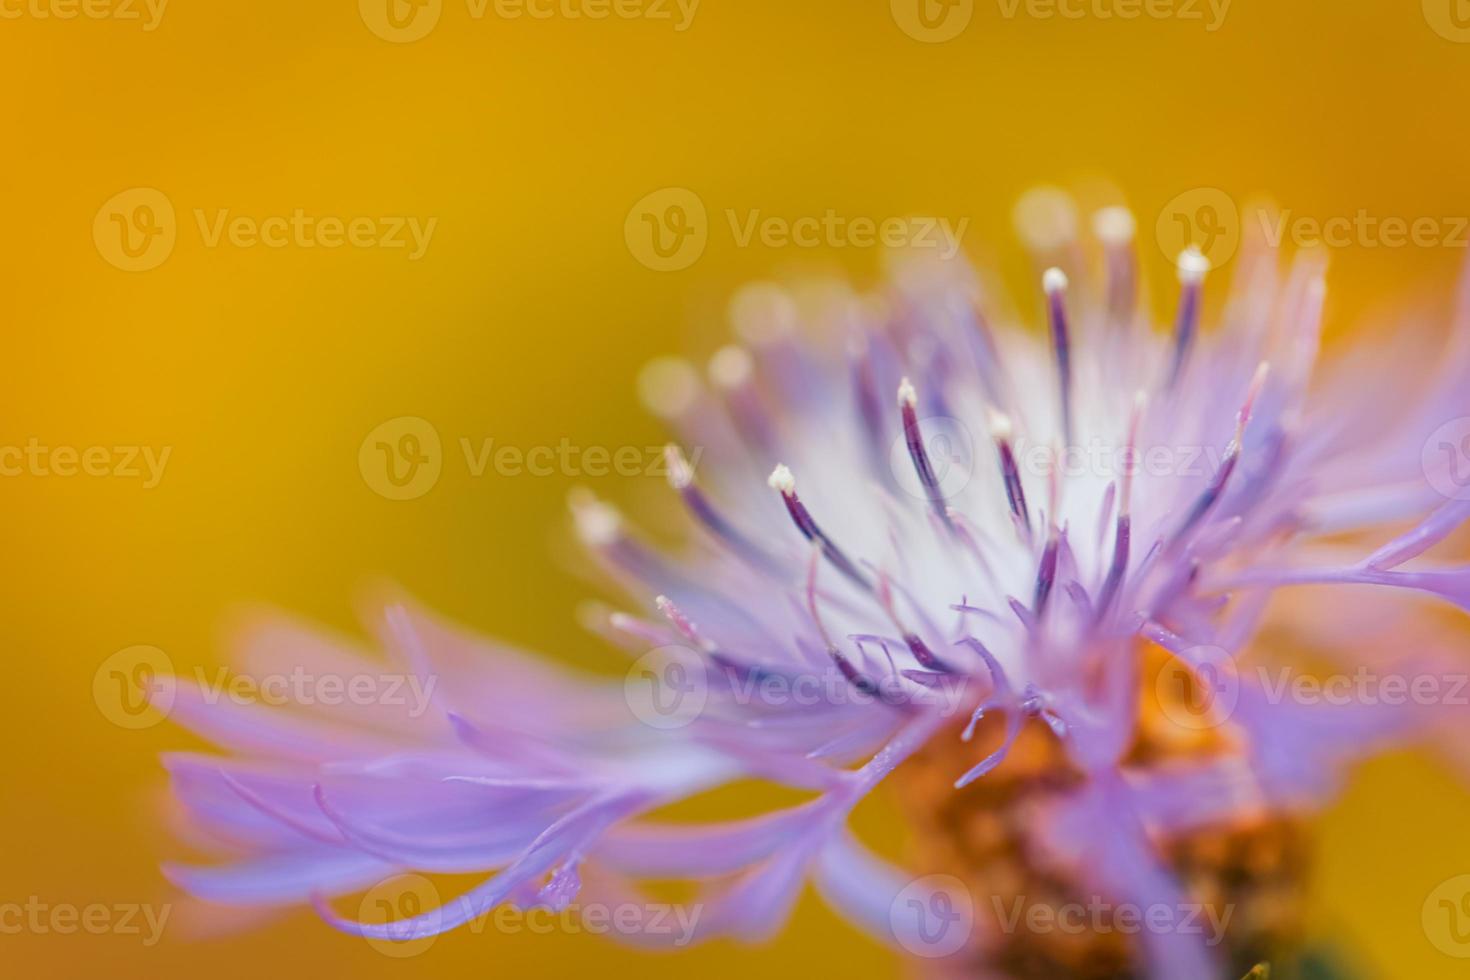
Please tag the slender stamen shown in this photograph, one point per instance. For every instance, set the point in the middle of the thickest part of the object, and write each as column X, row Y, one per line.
column 1192, row 268
column 1122, row 540
column 865, row 390
column 681, row 478
column 597, row 522
column 1216, row 488
column 969, row 537
column 1054, row 283
column 1115, row 228
column 985, row 351
column 738, row 668
column 1046, row 573
column 784, row 483
column 668, row 386
column 908, row 401
column 925, row 656
column 1000, row 432
column 600, row 527
column 732, row 370
column 1045, row 218
column 682, row 623
column 850, row 673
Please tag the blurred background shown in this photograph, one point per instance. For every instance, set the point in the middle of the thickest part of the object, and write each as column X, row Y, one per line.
column 240, row 237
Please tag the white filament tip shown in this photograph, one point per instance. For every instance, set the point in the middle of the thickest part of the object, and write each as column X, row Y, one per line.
column 1053, row 281
column 1114, row 225
column 762, row 313
column 681, row 474
column 1045, row 218
column 731, row 367
column 782, row 480
column 1000, row 425
column 1263, row 371
column 668, row 386
column 1192, row 265
column 598, row 523
column 907, row 396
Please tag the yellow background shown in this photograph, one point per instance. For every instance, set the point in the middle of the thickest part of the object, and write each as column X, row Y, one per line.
column 526, row 320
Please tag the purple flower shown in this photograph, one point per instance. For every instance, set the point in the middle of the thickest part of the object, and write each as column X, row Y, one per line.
column 916, row 529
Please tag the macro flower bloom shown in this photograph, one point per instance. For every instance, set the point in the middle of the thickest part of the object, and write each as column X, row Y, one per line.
column 1027, row 576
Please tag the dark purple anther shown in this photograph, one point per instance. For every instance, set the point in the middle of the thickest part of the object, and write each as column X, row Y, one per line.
column 1192, row 269
column 782, row 481
column 1000, row 431
column 850, row 672
column 908, row 401
column 681, row 478
column 1046, row 576
column 1121, row 546
column 926, row 657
